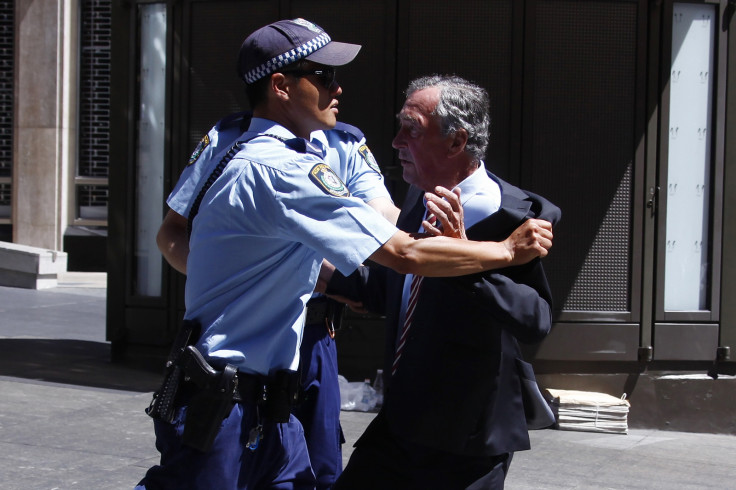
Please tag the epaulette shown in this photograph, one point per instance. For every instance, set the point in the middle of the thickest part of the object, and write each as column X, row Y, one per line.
column 240, row 119
column 303, row 145
column 349, row 129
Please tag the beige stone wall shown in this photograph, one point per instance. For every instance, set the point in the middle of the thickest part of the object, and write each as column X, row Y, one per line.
column 45, row 120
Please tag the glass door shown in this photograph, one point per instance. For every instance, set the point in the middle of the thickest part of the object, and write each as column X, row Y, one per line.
column 690, row 175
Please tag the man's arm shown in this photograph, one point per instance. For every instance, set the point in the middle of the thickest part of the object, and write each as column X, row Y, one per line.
column 517, row 298
column 442, row 256
column 172, row 240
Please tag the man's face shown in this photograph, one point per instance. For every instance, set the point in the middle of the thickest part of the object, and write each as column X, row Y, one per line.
column 422, row 147
column 314, row 102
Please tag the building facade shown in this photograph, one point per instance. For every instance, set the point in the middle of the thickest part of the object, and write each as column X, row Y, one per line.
column 616, row 110
column 54, row 126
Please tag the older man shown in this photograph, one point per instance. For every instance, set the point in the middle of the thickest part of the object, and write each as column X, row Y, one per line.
column 452, row 415
column 272, row 211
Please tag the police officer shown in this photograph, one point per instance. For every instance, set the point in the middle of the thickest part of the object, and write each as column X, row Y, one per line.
column 261, row 233
column 318, row 406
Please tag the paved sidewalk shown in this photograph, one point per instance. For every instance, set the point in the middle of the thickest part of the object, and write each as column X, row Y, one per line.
column 69, row 419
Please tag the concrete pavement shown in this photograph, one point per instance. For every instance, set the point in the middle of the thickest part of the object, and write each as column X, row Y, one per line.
column 69, row 419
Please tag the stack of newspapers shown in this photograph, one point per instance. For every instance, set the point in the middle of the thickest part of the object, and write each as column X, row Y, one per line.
column 589, row 411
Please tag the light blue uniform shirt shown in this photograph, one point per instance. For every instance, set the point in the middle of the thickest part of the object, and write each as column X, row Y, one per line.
column 257, row 243
column 347, row 154
column 215, row 143
column 352, row 161
column 480, row 197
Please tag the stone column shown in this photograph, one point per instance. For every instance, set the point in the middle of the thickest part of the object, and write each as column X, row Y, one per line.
column 45, row 120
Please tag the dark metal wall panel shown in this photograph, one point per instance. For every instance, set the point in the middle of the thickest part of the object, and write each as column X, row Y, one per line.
column 213, row 33
column 368, row 82
column 579, row 143
column 474, row 42
column 590, row 342
column 685, row 342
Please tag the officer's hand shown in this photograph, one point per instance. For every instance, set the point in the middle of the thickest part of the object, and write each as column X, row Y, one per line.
column 530, row 240
column 445, row 206
column 356, row 306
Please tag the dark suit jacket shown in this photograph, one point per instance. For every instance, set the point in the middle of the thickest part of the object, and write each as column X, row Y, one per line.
column 457, row 386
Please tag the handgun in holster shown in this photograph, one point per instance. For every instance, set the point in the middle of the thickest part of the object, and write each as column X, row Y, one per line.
column 212, row 401
column 163, row 402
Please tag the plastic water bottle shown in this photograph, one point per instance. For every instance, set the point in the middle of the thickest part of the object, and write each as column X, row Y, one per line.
column 378, row 386
column 367, row 401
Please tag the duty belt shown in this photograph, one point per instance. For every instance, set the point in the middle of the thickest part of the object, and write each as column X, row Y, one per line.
column 210, row 394
column 277, row 392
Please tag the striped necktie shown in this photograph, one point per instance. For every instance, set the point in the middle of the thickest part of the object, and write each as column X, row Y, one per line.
column 416, row 281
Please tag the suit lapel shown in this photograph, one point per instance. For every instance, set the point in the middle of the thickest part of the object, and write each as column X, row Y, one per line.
column 412, row 211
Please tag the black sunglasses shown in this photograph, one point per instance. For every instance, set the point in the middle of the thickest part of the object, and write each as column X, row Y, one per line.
column 325, row 75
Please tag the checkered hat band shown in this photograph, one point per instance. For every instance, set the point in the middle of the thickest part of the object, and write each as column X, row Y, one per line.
column 274, row 64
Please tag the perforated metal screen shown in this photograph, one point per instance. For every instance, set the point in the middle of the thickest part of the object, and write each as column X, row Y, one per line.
column 581, row 135
column 478, row 48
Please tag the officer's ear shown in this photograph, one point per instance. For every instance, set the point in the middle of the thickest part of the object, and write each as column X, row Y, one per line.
column 280, row 86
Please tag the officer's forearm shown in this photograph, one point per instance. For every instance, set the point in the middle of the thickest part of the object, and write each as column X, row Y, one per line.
column 442, row 256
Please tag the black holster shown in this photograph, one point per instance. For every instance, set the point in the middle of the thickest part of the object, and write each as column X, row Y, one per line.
column 215, row 393
column 162, row 404
column 210, row 403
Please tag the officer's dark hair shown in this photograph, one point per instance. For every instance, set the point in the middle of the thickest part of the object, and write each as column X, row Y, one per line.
column 462, row 105
column 256, row 92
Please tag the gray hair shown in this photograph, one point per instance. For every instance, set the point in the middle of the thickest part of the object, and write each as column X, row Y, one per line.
column 462, row 105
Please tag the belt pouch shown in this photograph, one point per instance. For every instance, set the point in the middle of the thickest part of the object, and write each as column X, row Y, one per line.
column 281, row 392
column 207, row 409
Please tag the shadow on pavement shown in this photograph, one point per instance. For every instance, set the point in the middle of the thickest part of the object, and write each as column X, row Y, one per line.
column 77, row 362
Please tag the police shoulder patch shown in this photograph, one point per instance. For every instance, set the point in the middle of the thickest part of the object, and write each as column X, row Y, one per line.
column 369, row 158
column 203, row 143
column 327, row 180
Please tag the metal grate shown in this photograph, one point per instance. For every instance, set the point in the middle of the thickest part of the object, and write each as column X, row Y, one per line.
column 4, row 196
column 92, row 201
column 7, row 35
column 584, row 98
column 94, row 105
column 485, row 58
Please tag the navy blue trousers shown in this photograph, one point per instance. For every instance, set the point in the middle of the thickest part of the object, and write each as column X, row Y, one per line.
column 383, row 461
column 319, row 406
column 281, row 460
